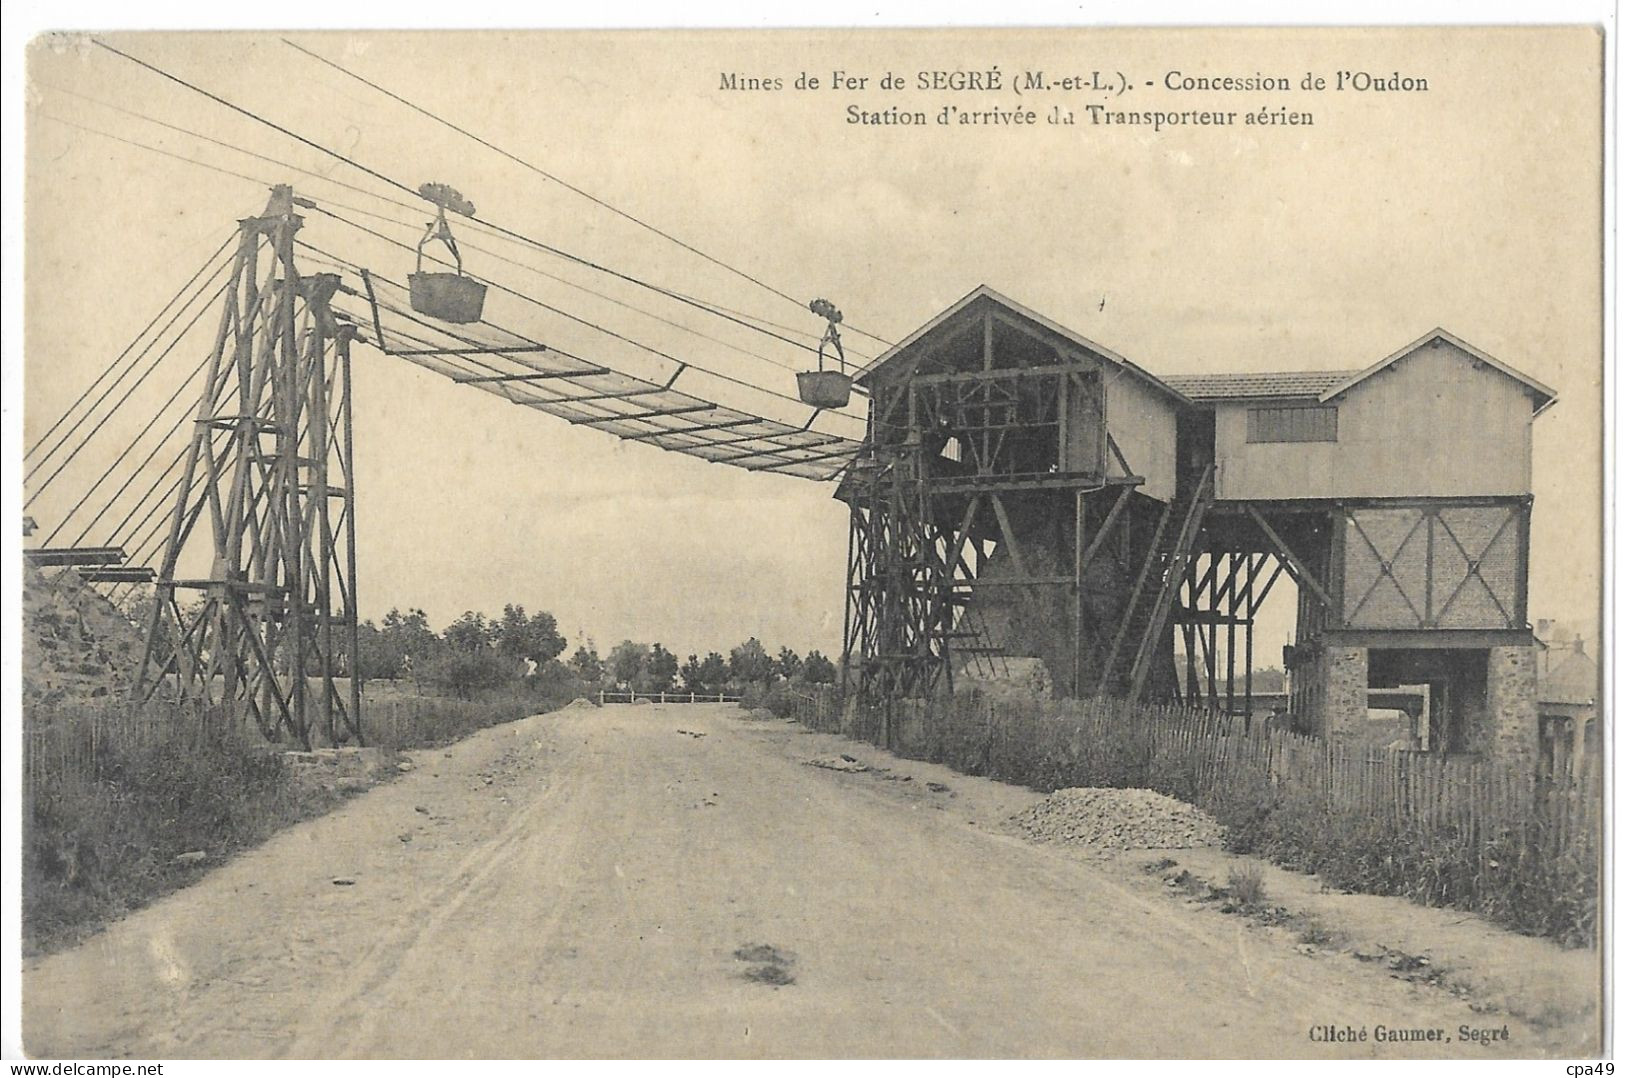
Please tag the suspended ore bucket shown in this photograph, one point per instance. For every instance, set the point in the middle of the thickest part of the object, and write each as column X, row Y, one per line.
column 450, row 297
column 824, row 389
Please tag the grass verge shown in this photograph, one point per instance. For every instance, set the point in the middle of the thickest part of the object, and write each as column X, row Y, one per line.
column 113, row 821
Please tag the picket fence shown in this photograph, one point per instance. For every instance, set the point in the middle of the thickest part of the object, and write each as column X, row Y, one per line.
column 1203, row 757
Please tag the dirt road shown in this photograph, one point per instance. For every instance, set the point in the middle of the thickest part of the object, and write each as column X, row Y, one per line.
column 675, row 881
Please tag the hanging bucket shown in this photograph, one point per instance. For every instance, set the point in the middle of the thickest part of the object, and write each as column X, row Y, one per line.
column 824, row 389
column 450, row 297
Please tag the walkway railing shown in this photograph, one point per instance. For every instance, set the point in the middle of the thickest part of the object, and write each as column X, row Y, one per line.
column 666, row 698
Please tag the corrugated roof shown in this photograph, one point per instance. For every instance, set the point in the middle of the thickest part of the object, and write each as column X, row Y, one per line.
column 1258, row 385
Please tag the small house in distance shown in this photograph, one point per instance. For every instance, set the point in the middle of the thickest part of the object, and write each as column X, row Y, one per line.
column 1029, row 492
column 1567, row 688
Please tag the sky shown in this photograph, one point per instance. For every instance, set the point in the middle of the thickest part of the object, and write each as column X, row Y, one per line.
column 1475, row 206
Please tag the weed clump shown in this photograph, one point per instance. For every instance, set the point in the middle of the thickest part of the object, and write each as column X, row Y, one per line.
column 1246, row 886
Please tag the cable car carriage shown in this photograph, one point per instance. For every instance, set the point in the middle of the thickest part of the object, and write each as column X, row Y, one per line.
column 449, row 297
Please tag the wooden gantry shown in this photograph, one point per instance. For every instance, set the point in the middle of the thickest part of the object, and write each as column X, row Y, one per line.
column 262, row 533
column 1025, row 492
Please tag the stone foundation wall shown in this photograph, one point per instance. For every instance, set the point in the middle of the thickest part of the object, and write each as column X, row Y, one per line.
column 1347, row 674
column 1329, row 690
column 1511, row 722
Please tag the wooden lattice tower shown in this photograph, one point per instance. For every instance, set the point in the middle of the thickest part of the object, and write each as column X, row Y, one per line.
column 268, row 481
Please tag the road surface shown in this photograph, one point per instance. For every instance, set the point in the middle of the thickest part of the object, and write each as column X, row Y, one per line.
column 675, row 881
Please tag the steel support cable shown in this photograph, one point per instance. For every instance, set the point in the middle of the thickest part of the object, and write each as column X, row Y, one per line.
column 461, row 338
column 603, row 412
column 509, row 233
column 411, row 207
column 155, row 538
column 586, row 322
column 527, row 267
column 414, row 207
column 114, row 409
column 142, row 502
column 156, row 416
column 491, row 226
column 137, row 551
column 565, row 184
column 325, row 259
column 135, row 361
column 226, row 388
column 550, row 348
column 437, row 365
column 133, row 341
column 536, row 397
column 449, row 367
column 461, row 365
column 151, row 508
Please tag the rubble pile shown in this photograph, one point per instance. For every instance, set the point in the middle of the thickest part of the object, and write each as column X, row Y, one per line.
column 77, row 647
column 1008, row 678
column 1117, row 819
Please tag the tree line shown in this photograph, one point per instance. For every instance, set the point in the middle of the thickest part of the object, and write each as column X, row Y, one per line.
column 475, row 653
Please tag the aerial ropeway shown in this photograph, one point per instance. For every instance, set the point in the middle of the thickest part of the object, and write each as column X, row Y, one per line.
column 826, row 388
column 449, row 297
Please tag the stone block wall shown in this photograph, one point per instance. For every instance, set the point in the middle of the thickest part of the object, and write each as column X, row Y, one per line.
column 1511, row 722
column 1346, row 675
column 1329, row 690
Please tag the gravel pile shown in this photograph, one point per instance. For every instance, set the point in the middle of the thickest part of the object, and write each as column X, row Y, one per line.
column 1117, row 819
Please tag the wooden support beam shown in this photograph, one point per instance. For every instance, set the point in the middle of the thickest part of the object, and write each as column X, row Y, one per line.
column 1009, row 534
column 1224, row 591
column 70, row 555
column 956, row 553
column 1251, row 609
column 1109, row 667
column 1270, row 583
column 1192, row 686
column 1208, row 617
column 1102, row 533
column 775, row 449
column 1027, row 481
column 538, row 376
column 1429, row 638
column 1117, row 454
column 628, row 417
column 117, row 574
column 1230, row 639
column 494, row 350
column 648, row 435
column 797, row 462
column 999, row 373
column 1300, row 571
column 619, row 395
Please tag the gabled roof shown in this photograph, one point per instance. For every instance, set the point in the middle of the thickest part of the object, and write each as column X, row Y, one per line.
column 984, row 293
column 1542, row 395
column 1572, row 681
column 1260, row 385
